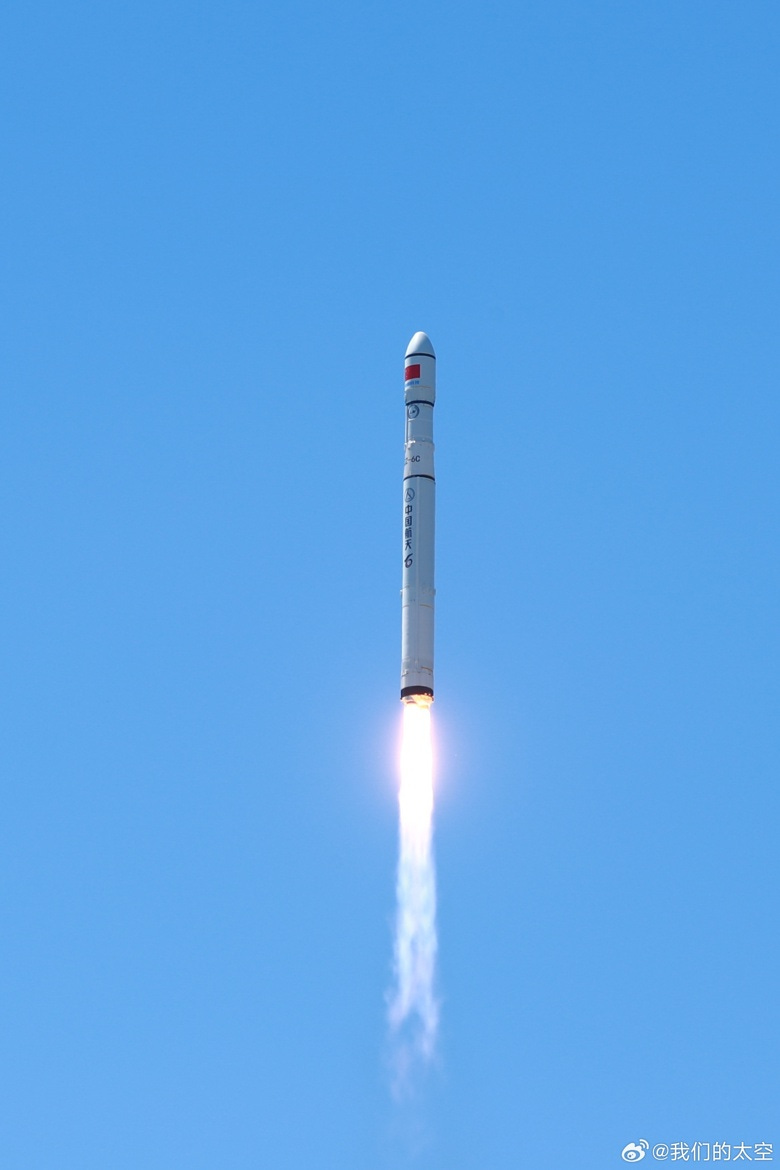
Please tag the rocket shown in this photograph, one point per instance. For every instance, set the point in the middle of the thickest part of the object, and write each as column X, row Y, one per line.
column 419, row 499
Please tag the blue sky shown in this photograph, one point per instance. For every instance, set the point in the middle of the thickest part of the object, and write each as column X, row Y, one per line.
column 222, row 223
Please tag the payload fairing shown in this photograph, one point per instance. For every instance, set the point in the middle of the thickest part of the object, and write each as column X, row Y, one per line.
column 419, row 500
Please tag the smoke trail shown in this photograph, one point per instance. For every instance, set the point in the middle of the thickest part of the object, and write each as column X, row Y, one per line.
column 414, row 1011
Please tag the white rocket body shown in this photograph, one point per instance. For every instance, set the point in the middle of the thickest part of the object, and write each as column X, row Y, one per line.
column 419, row 499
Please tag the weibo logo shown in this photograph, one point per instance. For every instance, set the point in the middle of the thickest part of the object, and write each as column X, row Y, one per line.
column 635, row 1151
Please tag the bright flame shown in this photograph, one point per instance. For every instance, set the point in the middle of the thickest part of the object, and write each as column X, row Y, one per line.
column 416, row 795
column 413, row 1006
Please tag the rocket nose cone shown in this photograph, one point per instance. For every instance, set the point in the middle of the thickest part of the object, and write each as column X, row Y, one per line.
column 420, row 344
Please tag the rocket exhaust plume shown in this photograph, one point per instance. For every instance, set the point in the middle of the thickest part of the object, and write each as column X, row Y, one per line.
column 414, row 1011
column 413, row 1006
